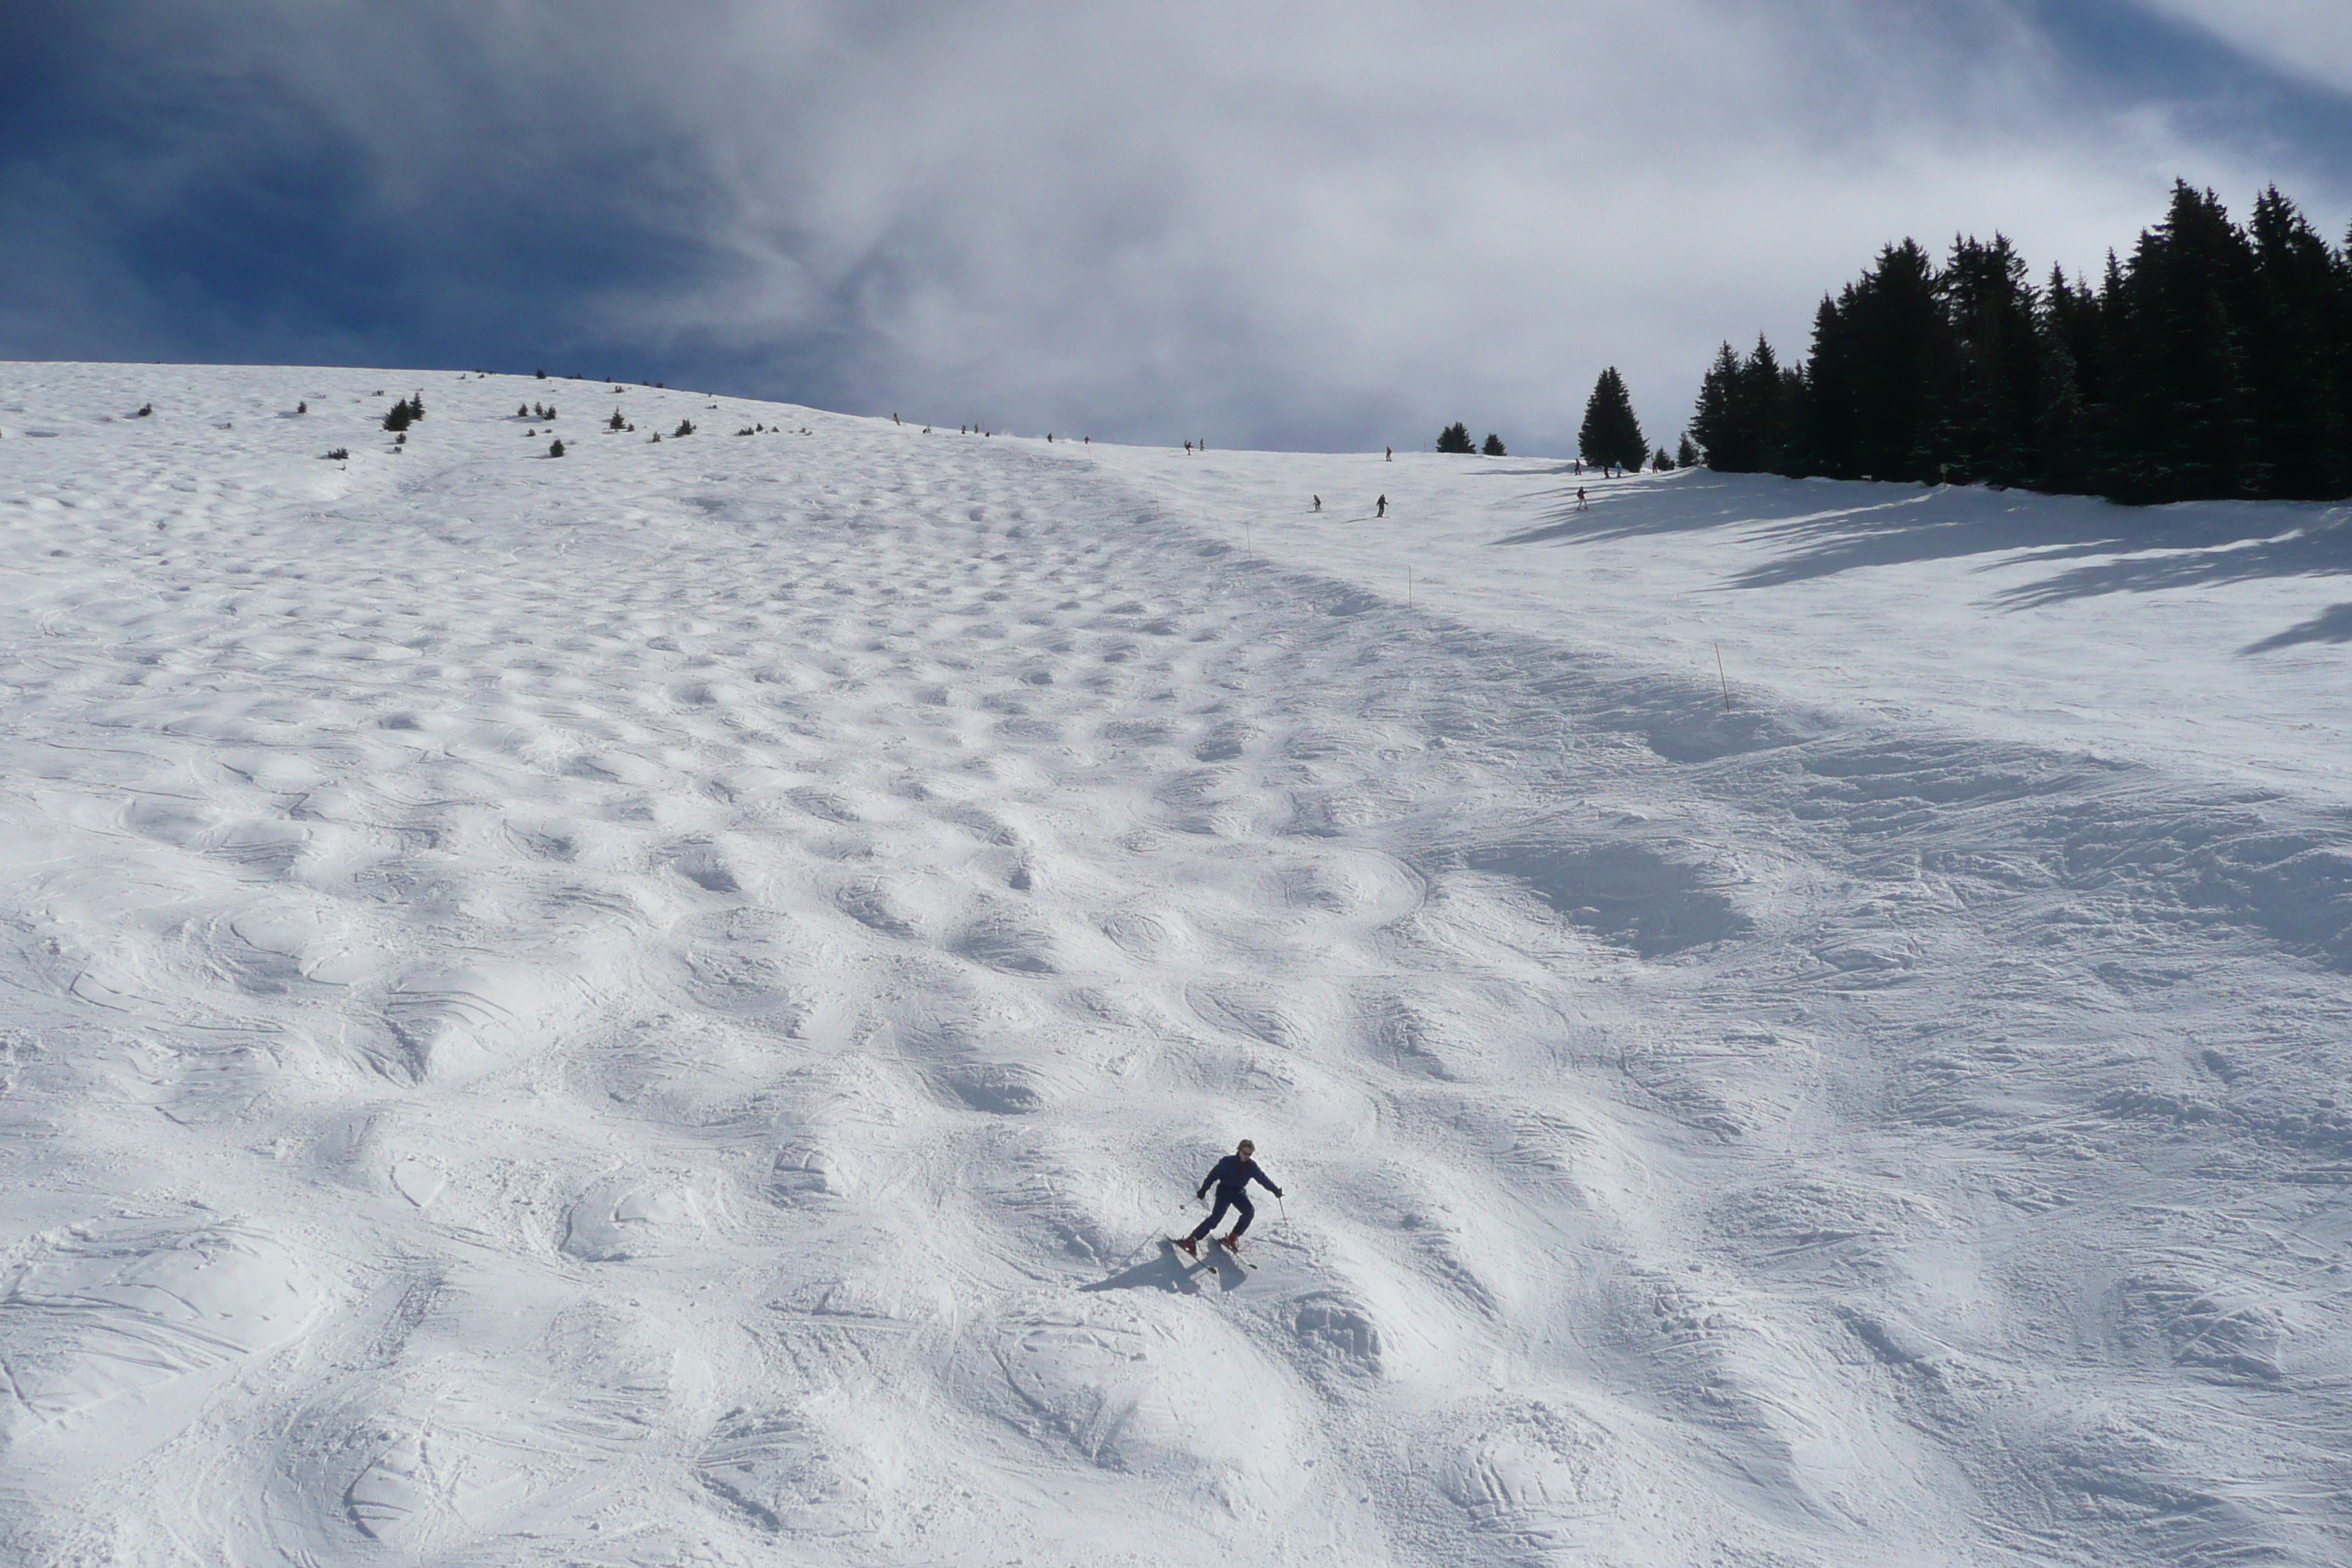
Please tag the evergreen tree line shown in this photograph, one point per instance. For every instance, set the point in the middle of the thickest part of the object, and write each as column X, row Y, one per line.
column 2215, row 362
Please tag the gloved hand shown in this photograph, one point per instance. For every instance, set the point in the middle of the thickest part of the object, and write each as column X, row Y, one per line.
column 1277, row 1192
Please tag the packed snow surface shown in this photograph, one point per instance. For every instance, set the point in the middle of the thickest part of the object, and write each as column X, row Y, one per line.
column 655, row 1006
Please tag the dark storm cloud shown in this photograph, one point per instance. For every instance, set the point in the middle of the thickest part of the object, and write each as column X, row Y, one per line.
column 1312, row 224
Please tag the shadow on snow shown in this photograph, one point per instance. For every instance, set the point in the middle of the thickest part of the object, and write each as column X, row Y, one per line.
column 1826, row 527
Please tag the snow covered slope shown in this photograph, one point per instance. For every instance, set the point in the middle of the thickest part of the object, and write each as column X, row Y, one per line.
column 651, row 1006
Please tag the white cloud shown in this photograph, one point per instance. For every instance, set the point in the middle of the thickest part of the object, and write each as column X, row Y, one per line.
column 1314, row 221
column 2310, row 41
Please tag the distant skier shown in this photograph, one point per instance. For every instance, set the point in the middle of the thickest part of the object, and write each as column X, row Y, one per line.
column 1388, row 453
column 1319, row 503
column 1231, row 1177
column 1382, row 507
column 1580, row 500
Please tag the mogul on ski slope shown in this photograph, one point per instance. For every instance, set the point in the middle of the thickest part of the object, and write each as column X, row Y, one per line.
column 1231, row 1178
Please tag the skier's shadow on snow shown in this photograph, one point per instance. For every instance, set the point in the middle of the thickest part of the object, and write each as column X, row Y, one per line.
column 1168, row 1271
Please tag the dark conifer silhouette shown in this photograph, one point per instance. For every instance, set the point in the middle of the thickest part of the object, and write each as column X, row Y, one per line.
column 1494, row 447
column 2213, row 359
column 1611, row 434
column 1454, row 437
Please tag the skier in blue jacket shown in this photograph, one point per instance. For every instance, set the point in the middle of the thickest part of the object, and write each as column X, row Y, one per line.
column 1231, row 1177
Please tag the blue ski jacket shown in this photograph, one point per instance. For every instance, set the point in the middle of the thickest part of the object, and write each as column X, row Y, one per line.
column 1234, row 1175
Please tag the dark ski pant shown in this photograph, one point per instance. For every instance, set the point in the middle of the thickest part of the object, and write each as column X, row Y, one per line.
column 1241, row 1204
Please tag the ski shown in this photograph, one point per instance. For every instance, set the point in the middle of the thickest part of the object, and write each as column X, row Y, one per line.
column 1220, row 1253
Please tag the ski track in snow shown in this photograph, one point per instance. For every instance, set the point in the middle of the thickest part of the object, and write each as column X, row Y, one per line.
column 653, row 1007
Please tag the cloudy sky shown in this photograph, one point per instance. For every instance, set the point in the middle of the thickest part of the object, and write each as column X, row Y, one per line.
column 1307, row 224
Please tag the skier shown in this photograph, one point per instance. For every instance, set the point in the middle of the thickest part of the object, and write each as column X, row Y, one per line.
column 1319, row 503
column 1580, row 500
column 1383, row 507
column 1388, row 453
column 1231, row 1177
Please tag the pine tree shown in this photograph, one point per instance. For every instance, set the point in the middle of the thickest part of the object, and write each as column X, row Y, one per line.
column 556, row 448
column 1770, row 398
column 1456, row 438
column 398, row 418
column 1716, row 423
column 2299, row 289
column 2183, row 420
column 1660, row 463
column 1611, row 434
column 1494, row 447
column 1685, row 454
column 1896, row 355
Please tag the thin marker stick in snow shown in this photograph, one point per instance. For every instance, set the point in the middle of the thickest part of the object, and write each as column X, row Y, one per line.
column 1408, row 604
column 1723, row 678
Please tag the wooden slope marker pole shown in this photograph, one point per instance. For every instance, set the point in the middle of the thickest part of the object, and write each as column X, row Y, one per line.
column 1723, row 678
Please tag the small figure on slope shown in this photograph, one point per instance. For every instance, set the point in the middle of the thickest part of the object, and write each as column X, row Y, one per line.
column 1231, row 1177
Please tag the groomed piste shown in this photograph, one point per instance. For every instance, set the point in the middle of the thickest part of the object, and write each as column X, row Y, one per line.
column 655, row 1005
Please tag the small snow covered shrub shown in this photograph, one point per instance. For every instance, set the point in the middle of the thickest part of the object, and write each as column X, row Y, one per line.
column 302, row 408
column 339, row 453
column 556, row 448
column 145, row 411
column 399, row 417
column 685, row 427
column 616, row 422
